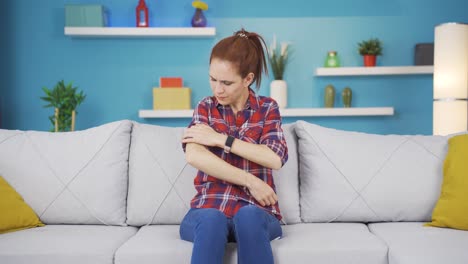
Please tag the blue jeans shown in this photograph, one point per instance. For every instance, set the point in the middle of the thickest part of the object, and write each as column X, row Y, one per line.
column 209, row 230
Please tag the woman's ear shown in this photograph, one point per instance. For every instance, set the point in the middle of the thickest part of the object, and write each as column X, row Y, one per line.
column 249, row 79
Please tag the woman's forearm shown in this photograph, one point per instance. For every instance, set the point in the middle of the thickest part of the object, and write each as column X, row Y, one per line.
column 258, row 153
column 201, row 158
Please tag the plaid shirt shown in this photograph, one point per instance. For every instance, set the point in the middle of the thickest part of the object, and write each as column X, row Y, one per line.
column 259, row 123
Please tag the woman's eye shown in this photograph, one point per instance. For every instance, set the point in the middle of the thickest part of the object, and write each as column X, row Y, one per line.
column 227, row 83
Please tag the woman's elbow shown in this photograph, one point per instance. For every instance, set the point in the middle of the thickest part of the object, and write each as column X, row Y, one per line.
column 191, row 153
column 276, row 164
column 189, row 157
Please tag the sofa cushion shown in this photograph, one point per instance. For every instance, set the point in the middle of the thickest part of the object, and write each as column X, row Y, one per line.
column 161, row 181
column 301, row 243
column 70, row 177
column 351, row 176
column 411, row 243
column 15, row 213
column 329, row 243
column 452, row 207
column 287, row 180
column 155, row 243
column 71, row 244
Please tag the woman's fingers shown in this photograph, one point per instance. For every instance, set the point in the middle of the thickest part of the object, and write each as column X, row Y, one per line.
column 272, row 200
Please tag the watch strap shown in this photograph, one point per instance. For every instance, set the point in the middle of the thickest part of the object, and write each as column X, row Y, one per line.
column 228, row 144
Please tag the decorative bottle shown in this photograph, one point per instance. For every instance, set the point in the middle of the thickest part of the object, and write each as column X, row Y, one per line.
column 347, row 96
column 198, row 19
column 142, row 14
column 329, row 96
column 332, row 59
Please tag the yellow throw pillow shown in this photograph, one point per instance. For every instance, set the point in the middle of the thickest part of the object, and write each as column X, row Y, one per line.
column 15, row 214
column 452, row 207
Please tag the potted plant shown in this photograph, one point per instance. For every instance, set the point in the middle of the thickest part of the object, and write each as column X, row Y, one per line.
column 278, row 59
column 64, row 99
column 370, row 49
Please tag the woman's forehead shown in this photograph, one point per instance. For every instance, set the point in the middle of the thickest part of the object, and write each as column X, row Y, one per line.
column 223, row 70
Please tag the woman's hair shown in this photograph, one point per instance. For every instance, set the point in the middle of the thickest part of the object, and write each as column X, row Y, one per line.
column 244, row 49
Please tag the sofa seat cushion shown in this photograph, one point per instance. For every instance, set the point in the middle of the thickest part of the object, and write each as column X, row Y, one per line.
column 329, row 243
column 301, row 243
column 411, row 243
column 64, row 244
column 155, row 244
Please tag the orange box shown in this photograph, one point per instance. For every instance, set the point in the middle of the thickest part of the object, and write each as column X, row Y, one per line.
column 171, row 82
column 171, row 99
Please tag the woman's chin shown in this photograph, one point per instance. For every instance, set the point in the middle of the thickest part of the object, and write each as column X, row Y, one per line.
column 222, row 101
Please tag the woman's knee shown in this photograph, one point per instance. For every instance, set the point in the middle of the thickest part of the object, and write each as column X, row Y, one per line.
column 251, row 216
column 212, row 220
column 207, row 222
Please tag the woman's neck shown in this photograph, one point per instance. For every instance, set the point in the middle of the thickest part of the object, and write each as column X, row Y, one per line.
column 240, row 104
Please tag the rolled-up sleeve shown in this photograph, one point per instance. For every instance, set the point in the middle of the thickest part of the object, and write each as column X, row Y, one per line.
column 200, row 116
column 273, row 135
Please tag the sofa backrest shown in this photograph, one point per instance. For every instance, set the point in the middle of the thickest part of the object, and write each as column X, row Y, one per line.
column 161, row 181
column 72, row 177
column 287, row 180
column 358, row 177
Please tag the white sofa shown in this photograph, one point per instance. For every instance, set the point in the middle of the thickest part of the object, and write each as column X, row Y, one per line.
column 116, row 194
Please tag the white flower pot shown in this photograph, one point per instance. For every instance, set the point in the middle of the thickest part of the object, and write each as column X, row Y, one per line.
column 279, row 92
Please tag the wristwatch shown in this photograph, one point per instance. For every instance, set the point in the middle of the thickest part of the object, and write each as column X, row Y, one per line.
column 228, row 144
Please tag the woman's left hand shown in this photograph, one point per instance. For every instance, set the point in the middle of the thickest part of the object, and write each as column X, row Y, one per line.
column 203, row 135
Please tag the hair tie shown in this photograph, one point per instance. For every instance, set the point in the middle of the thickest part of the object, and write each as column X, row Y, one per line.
column 242, row 35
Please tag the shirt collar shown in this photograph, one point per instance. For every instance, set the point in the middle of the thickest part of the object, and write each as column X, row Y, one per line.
column 252, row 101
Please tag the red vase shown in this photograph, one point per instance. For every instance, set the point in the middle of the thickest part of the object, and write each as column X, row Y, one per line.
column 142, row 14
column 369, row 60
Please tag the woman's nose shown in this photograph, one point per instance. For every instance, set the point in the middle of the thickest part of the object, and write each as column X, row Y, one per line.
column 219, row 87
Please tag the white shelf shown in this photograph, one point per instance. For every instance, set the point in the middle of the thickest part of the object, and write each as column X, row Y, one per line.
column 351, row 111
column 288, row 112
column 140, row 31
column 378, row 70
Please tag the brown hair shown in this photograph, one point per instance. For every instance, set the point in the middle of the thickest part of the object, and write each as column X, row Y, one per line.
column 245, row 49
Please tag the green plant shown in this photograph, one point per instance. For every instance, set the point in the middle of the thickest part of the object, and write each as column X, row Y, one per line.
column 278, row 59
column 66, row 99
column 372, row 46
column 200, row 5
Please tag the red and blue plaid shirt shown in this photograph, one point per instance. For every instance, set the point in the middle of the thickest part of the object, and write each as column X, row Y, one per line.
column 259, row 123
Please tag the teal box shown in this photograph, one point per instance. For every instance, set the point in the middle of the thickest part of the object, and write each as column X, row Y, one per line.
column 80, row 15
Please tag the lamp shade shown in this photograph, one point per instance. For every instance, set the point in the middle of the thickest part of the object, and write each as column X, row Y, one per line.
column 450, row 78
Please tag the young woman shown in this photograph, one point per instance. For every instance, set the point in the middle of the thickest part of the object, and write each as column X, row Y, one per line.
column 234, row 140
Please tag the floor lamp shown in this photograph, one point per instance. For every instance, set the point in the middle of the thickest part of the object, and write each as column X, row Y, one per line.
column 450, row 78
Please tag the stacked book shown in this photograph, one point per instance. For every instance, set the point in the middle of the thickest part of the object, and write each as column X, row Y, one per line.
column 171, row 94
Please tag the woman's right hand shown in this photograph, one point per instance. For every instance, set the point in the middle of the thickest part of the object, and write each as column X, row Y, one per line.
column 260, row 190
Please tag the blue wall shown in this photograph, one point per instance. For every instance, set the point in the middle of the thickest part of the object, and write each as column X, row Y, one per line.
column 118, row 74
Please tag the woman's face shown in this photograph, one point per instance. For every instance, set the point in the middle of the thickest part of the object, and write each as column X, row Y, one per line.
column 227, row 85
